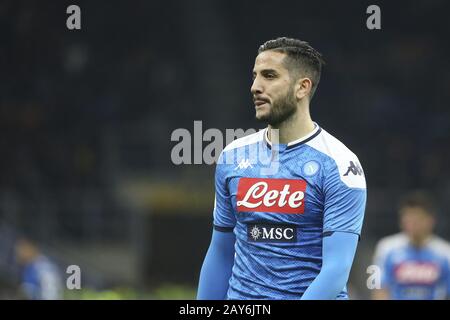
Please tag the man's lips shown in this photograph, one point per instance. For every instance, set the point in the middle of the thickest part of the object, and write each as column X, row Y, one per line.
column 260, row 102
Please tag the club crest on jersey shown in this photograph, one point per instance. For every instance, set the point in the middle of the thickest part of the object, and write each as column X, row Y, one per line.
column 271, row 233
column 310, row 168
column 271, row 195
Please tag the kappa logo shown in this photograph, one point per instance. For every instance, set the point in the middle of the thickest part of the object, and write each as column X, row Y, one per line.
column 355, row 169
column 271, row 233
column 244, row 164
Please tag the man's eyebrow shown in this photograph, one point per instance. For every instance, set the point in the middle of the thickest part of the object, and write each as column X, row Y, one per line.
column 266, row 71
column 269, row 70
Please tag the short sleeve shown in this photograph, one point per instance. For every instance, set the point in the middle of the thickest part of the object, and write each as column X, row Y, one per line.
column 345, row 202
column 224, row 218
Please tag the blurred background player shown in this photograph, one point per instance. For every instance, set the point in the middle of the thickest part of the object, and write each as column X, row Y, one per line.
column 414, row 263
column 40, row 277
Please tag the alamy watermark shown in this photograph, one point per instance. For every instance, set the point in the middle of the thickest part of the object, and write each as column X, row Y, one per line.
column 373, row 22
column 190, row 148
column 73, row 21
column 73, row 281
column 374, row 279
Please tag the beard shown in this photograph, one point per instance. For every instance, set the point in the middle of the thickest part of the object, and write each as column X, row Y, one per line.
column 281, row 109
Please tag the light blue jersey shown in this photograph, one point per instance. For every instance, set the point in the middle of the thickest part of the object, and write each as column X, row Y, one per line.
column 411, row 273
column 41, row 280
column 280, row 205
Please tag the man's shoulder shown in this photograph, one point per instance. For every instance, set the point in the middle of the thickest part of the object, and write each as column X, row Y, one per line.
column 440, row 246
column 239, row 150
column 245, row 141
column 389, row 244
column 46, row 264
column 394, row 241
column 331, row 146
column 340, row 157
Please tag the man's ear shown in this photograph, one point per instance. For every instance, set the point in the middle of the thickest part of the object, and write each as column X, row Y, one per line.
column 303, row 88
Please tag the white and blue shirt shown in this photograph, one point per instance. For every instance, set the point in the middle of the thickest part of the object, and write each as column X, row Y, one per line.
column 413, row 273
column 280, row 201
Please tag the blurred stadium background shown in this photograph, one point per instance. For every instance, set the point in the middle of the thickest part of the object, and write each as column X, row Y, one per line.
column 86, row 119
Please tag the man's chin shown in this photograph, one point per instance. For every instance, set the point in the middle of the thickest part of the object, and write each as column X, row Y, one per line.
column 262, row 117
column 262, row 112
column 268, row 118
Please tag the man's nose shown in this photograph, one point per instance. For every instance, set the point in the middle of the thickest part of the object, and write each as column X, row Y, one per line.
column 256, row 87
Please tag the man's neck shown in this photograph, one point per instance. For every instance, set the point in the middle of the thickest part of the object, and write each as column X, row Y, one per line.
column 297, row 126
column 419, row 242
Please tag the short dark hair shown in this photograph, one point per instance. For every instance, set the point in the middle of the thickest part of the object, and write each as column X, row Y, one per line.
column 299, row 56
column 419, row 199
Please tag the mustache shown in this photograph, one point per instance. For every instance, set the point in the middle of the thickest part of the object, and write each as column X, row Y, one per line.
column 258, row 98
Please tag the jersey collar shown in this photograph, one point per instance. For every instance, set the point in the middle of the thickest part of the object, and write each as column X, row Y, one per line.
column 297, row 142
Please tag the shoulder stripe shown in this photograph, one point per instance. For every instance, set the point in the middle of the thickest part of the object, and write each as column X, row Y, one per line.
column 223, row 229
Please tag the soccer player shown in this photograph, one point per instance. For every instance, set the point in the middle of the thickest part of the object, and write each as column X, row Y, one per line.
column 414, row 263
column 41, row 278
column 287, row 229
